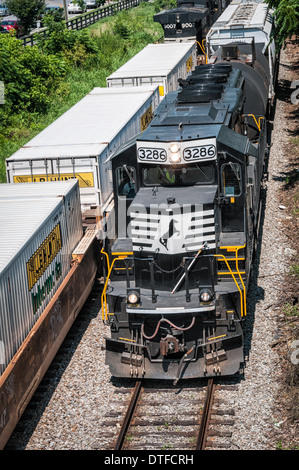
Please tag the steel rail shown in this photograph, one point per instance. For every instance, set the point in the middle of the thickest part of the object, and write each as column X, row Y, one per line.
column 202, row 435
column 128, row 416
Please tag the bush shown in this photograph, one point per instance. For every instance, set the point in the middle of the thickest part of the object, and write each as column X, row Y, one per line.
column 44, row 81
column 29, row 76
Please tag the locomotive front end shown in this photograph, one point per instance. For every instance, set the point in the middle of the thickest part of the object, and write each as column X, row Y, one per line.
column 175, row 293
column 182, row 310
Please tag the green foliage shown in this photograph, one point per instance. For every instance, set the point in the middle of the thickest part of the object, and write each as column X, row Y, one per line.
column 291, row 310
column 165, row 5
column 29, row 77
column 28, row 11
column 121, row 28
column 286, row 17
column 81, row 3
column 44, row 81
column 58, row 38
column 295, row 270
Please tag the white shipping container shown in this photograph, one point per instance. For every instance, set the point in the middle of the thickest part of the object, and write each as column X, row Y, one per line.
column 78, row 143
column 160, row 64
column 68, row 190
column 37, row 238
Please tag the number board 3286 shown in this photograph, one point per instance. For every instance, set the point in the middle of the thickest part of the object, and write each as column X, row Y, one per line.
column 198, row 153
column 152, row 154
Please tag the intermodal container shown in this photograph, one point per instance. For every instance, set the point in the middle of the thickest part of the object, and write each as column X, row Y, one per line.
column 79, row 143
column 38, row 233
column 156, row 64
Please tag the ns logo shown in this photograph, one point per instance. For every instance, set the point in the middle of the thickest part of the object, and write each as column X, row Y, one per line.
column 295, row 94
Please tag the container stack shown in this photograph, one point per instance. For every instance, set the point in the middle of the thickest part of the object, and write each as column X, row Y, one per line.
column 156, row 64
column 79, row 143
column 41, row 225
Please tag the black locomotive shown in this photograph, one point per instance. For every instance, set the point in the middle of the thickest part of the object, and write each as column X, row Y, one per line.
column 190, row 20
column 187, row 206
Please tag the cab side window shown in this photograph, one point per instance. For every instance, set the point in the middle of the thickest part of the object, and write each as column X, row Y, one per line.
column 231, row 179
column 126, row 181
column 232, row 213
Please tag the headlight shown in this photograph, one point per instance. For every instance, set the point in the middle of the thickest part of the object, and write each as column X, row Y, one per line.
column 174, row 147
column 174, row 156
column 133, row 297
column 205, row 296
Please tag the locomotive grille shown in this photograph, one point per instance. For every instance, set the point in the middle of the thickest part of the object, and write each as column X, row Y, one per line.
column 173, row 232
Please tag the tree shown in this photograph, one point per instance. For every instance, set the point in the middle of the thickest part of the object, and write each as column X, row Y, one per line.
column 81, row 3
column 286, row 18
column 29, row 76
column 27, row 11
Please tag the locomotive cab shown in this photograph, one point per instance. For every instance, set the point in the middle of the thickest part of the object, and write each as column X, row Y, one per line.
column 175, row 293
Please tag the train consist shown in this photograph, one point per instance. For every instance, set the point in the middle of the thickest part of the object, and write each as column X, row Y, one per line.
column 48, row 267
column 174, row 154
column 187, row 203
column 171, row 157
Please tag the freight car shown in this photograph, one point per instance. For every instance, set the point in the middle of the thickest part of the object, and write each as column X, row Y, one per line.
column 80, row 141
column 47, row 270
column 187, row 221
column 159, row 64
column 38, row 235
column 245, row 29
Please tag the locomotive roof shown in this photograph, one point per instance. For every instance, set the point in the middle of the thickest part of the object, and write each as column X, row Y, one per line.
column 201, row 109
column 186, row 13
column 180, row 108
column 244, row 15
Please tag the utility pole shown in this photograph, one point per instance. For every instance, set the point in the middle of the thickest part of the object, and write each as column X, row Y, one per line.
column 65, row 10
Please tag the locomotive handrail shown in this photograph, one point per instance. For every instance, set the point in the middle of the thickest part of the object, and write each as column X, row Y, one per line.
column 121, row 256
column 242, row 295
column 107, row 258
column 203, row 49
column 257, row 122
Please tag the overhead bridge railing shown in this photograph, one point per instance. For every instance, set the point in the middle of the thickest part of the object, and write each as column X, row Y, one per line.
column 84, row 20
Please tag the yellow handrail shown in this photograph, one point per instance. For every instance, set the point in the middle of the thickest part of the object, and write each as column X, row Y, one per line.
column 237, row 267
column 242, row 295
column 258, row 122
column 110, row 266
column 203, row 49
column 107, row 257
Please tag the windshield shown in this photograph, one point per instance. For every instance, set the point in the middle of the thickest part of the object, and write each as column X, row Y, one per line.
column 7, row 23
column 183, row 175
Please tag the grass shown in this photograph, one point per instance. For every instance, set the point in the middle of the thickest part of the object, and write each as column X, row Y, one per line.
column 291, row 310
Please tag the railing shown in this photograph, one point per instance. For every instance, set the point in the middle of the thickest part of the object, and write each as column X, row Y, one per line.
column 119, row 256
column 85, row 20
column 235, row 250
column 125, row 256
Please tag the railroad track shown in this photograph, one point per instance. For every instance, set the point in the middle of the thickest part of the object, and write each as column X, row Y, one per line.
column 191, row 418
column 158, row 416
